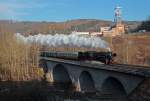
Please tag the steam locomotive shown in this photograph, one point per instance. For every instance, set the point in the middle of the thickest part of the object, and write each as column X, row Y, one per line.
column 104, row 57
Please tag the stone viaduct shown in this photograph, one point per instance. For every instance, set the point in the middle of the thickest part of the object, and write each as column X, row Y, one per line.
column 85, row 76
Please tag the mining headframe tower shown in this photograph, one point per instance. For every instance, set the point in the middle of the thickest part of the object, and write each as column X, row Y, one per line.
column 118, row 28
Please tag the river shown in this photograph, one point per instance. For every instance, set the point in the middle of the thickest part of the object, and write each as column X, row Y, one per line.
column 42, row 91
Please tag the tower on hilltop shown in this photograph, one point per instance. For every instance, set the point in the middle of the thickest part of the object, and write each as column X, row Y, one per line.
column 118, row 15
column 119, row 26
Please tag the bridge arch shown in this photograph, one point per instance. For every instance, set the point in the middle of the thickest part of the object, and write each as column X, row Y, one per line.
column 86, row 82
column 113, row 87
column 61, row 77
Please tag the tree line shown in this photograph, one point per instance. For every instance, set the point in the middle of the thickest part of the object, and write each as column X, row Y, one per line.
column 145, row 25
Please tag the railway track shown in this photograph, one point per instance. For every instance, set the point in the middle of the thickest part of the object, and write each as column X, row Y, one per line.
column 135, row 69
column 123, row 68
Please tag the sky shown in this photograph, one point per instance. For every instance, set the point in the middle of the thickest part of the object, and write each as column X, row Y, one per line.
column 62, row 10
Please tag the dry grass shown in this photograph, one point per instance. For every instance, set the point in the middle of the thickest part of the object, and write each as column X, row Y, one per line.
column 18, row 61
column 132, row 49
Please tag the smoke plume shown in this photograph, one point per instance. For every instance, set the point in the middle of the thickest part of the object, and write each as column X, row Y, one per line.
column 71, row 40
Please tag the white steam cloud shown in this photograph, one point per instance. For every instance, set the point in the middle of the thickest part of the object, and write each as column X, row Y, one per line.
column 71, row 40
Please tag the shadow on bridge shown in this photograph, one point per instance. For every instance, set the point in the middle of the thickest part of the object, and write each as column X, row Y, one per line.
column 86, row 82
column 113, row 88
column 61, row 78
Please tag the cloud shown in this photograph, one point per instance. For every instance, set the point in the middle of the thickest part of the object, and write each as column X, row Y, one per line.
column 14, row 9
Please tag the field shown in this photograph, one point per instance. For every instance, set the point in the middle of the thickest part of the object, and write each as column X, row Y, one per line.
column 132, row 49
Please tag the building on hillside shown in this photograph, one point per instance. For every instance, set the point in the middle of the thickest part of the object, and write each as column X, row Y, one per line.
column 81, row 33
column 97, row 34
column 91, row 34
column 106, row 31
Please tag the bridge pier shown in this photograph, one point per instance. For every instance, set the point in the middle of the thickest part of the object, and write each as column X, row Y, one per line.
column 49, row 77
column 76, row 84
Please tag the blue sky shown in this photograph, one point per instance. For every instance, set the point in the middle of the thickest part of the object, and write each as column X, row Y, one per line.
column 62, row 10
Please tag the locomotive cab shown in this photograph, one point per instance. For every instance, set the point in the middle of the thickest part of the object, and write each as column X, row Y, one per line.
column 105, row 57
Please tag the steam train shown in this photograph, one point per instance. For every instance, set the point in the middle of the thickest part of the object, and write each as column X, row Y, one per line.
column 104, row 57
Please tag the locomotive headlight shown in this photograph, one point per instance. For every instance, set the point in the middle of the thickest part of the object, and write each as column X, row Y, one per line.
column 114, row 54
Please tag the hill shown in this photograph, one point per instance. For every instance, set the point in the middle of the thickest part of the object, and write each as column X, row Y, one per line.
column 9, row 26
